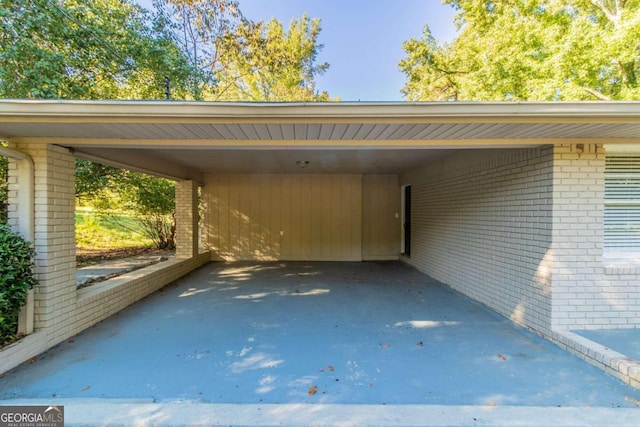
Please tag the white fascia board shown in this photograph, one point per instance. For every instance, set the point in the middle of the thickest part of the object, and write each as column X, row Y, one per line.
column 105, row 111
column 622, row 148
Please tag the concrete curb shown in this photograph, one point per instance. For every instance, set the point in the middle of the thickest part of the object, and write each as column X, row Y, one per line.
column 99, row 412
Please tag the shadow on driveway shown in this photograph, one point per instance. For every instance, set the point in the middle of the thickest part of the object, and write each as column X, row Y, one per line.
column 302, row 332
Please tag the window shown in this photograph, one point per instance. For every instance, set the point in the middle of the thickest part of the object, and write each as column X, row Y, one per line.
column 622, row 203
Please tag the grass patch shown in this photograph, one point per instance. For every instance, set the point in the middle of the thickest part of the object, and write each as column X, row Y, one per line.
column 94, row 231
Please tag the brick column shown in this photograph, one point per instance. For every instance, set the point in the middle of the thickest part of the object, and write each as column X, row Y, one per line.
column 21, row 191
column 579, row 293
column 54, row 239
column 186, row 219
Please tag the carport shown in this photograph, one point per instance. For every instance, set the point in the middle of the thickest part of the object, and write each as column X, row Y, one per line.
column 503, row 202
column 316, row 343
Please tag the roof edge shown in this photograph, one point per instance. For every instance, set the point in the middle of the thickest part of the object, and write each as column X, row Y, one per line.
column 69, row 109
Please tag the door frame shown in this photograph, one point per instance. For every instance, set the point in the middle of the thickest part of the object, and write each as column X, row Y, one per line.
column 405, row 224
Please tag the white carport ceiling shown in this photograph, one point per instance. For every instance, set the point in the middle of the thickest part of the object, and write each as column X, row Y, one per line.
column 244, row 161
column 187, row 139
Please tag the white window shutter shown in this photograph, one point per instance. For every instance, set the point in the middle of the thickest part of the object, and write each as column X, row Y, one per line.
column 622, row 202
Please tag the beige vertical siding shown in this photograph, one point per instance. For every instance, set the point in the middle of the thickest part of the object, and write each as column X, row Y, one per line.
column 380, row 217
column 284, row 217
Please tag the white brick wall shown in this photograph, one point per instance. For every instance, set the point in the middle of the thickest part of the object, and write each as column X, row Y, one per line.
column 61, row 310
column 54, row 231
column 12, row 181
column 522, row 232
column 96, row 303
column 586, row 293
column 481, row 223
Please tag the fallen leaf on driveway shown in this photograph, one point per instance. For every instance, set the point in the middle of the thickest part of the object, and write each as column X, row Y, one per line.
column 313, row 390
column 33, row 360
column 330, row 368
column 86, row 388
column 502, row 357
column 385, row 346
column 491, row 404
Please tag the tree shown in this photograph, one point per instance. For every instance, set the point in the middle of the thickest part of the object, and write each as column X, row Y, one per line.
column 530, row 50
column 114, row 49
column 92, row 178
column 241, row 60
column 153, row 199
column 101, row 49
column 113, row 190
column 198, row 27
column 266, row 62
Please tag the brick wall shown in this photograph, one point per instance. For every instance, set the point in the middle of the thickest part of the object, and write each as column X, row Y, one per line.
column 186, row 219
column 54, row 237
column 522, row 232
column 98, row 302
column 587, row 294
column 481, row 223
column 61, row 310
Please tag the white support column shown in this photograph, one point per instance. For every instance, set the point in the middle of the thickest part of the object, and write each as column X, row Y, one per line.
column 186, row 219
column 54, row 232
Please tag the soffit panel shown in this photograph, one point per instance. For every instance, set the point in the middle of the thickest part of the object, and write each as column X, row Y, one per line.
column 155, row 135
column 231, row 161
column 330, row 131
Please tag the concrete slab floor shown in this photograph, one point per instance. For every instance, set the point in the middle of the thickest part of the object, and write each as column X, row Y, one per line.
column 314, row 333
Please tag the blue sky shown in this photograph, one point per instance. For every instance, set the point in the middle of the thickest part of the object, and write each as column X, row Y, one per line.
column 362, row 39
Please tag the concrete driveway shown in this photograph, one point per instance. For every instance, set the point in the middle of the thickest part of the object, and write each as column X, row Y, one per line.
column 314, row 333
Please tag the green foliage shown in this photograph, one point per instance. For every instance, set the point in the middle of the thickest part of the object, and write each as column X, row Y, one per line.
column 530, row 50
column 114, row 191
column 108, row 230
column 16, row 279
column 153, row 199
column 93, row 178
column 241, row 60
column 114, row 49
column 197, row 27
column 266, row 62
column 102, row 49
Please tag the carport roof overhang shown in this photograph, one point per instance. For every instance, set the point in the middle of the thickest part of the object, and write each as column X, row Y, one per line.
column 184, row 140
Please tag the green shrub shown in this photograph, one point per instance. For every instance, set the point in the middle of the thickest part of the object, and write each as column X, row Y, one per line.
column 16, row 279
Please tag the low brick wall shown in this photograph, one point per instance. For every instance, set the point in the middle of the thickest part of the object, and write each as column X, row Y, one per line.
column 95, row 303
column 610, row 361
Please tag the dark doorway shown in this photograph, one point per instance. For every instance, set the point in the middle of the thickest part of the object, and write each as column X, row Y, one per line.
column 407, row 220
